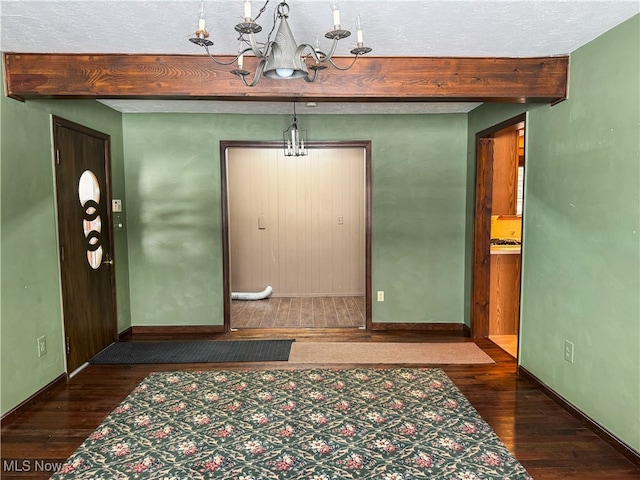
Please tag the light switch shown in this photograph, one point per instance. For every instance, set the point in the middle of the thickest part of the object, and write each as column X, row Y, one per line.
column 116, row 205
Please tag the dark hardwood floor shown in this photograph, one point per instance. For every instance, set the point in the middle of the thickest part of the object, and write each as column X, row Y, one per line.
column 294, row 312
column 548, row 441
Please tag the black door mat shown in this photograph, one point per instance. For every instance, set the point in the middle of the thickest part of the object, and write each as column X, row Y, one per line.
column 194, row 352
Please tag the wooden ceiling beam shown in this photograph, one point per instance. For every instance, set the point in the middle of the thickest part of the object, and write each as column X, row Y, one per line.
column 372, row 79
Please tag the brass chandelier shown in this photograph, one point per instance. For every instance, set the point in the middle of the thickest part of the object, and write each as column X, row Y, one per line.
column 281, row 58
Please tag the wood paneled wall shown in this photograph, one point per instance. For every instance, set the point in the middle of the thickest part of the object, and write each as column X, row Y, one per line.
column 297, row 224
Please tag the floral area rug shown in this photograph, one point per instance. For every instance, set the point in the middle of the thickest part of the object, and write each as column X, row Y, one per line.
column 319, row 424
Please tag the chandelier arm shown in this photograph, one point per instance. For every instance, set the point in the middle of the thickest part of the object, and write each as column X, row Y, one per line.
column 332, row 50
column 248, row 43
column 312, row 52
column 318, row 57
column 244, row 80
column 257, row 75
column 241, row 78
column 344, row 68
column 218, row 61
column 256, row 49
column 311, row 79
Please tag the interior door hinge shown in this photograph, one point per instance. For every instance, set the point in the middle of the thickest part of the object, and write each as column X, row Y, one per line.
column 58, row 157
column 68, row 346
column 62, row 253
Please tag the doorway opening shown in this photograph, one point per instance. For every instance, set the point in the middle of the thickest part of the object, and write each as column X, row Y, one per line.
column 296, row 235
column 497, row 242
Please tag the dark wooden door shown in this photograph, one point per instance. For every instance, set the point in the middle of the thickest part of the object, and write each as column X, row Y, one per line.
column 83, row 189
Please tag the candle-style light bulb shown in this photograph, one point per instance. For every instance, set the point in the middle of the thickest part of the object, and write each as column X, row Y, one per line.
column 336, row 14
column 316, row 43
column 241, row 57
column 247, row 9
column 359, row 29
column 294, row 132
column 201, row 18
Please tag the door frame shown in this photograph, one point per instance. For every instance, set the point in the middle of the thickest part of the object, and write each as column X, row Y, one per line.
column 108, row 224
column 226, row 272
column 481, row 247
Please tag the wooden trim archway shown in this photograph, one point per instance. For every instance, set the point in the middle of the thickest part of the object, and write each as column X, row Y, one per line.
column 481, row 250
column 226, row 275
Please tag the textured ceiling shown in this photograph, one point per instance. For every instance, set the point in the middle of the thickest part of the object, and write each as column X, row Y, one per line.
column 493, row 28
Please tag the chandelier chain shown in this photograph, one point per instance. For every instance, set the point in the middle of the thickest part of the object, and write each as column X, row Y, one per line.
column 273, row 27
column 264, row 7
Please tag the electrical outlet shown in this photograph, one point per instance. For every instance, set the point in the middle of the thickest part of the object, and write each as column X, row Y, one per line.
column 568, row 351
column 381, row 295
column 42, row 345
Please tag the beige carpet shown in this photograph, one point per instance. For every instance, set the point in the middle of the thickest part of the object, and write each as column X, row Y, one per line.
column 394, row 353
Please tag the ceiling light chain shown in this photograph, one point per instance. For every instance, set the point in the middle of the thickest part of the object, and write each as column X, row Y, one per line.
column 281, row 58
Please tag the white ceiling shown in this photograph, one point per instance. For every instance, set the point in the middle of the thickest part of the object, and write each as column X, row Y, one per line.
column 478, row 28
column 209, row 106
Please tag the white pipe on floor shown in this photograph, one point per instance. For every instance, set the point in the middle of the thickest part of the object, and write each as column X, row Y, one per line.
column 252, row 295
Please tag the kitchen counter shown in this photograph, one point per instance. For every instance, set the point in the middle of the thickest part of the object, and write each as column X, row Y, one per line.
column 505, row 249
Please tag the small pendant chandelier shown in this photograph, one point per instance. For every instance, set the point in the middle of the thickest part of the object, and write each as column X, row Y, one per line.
column 295, row 140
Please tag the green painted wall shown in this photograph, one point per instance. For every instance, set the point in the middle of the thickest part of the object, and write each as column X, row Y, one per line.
column 30, row 296
column 581, row 262
column 173, row 192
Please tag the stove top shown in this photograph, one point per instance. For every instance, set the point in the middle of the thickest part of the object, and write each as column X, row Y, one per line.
column 505, row 241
